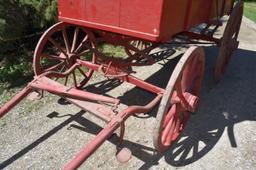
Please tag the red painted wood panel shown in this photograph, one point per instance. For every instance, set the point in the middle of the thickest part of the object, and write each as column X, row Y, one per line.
column 102, row 11
column 228, row 6
column 173, row 18
column 141, row 15
column 97, row 11
column 198, row 12
column 155, row 20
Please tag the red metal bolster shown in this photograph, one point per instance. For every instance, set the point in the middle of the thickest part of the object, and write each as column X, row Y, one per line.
column 90, row 148
column 14, row 101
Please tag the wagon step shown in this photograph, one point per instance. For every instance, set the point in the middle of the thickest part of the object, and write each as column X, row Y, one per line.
column 74, row 95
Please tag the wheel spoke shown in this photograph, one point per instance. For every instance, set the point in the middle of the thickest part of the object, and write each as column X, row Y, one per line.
column 74, row 78
column 52, row 57
column 66, row 81
column 61, row 70
column 189, row 75
column 55, row 67
column 177, row 127
column 180, row 92
column 169, row 115
column 81, row 71
column 75, row 39
column 58, row 46
column 168, row 132
column 81, row 44
column 196, row 87
column 178, row 123
column 66, row 41
column 83, row 53
column 174, row 134
column 178, row 87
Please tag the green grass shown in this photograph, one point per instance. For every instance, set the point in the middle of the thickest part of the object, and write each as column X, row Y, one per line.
column 113, row 51
column 250, row 10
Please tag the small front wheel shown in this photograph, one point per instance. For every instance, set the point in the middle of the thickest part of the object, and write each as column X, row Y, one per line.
column 180, row 98
column 229, row 41
column 59, row 48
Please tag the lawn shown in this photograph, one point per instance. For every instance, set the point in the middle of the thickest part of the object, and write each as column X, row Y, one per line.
column 250, row 10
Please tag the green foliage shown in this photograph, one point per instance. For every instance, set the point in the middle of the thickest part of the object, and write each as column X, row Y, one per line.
column 22, row 17
column 45, row 9
column 9, row 72
column 250, row 10
column 18, row 19
column 12, row 19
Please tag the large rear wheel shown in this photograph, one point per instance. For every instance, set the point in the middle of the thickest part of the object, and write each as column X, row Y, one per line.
column 229, row 41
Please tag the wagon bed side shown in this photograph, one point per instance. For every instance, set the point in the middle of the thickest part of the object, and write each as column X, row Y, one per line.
column 154, row 20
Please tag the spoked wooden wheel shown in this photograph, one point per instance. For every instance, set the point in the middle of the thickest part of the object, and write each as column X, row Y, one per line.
column 229, row 41
column 57, row 52
column 180, row 98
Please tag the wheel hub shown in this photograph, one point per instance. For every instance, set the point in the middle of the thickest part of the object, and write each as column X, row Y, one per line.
column 69, row 58
column 189, row 102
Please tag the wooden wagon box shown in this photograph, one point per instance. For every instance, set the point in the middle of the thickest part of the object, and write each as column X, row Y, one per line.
column 154, row 20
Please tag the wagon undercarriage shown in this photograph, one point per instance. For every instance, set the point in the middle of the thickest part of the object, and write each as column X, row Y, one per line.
column 67, row 55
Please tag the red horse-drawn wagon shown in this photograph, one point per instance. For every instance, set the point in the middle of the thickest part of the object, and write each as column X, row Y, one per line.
column 68, row 53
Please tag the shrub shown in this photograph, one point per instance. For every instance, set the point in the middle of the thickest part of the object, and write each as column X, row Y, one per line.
column 18, row 19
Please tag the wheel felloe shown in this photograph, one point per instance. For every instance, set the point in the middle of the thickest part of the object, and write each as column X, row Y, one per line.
column 180, row 98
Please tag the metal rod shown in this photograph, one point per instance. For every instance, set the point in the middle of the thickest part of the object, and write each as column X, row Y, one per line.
column 144, row 85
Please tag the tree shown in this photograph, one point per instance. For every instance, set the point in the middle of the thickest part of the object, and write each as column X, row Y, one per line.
column 18, row 19
column 22, row 17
